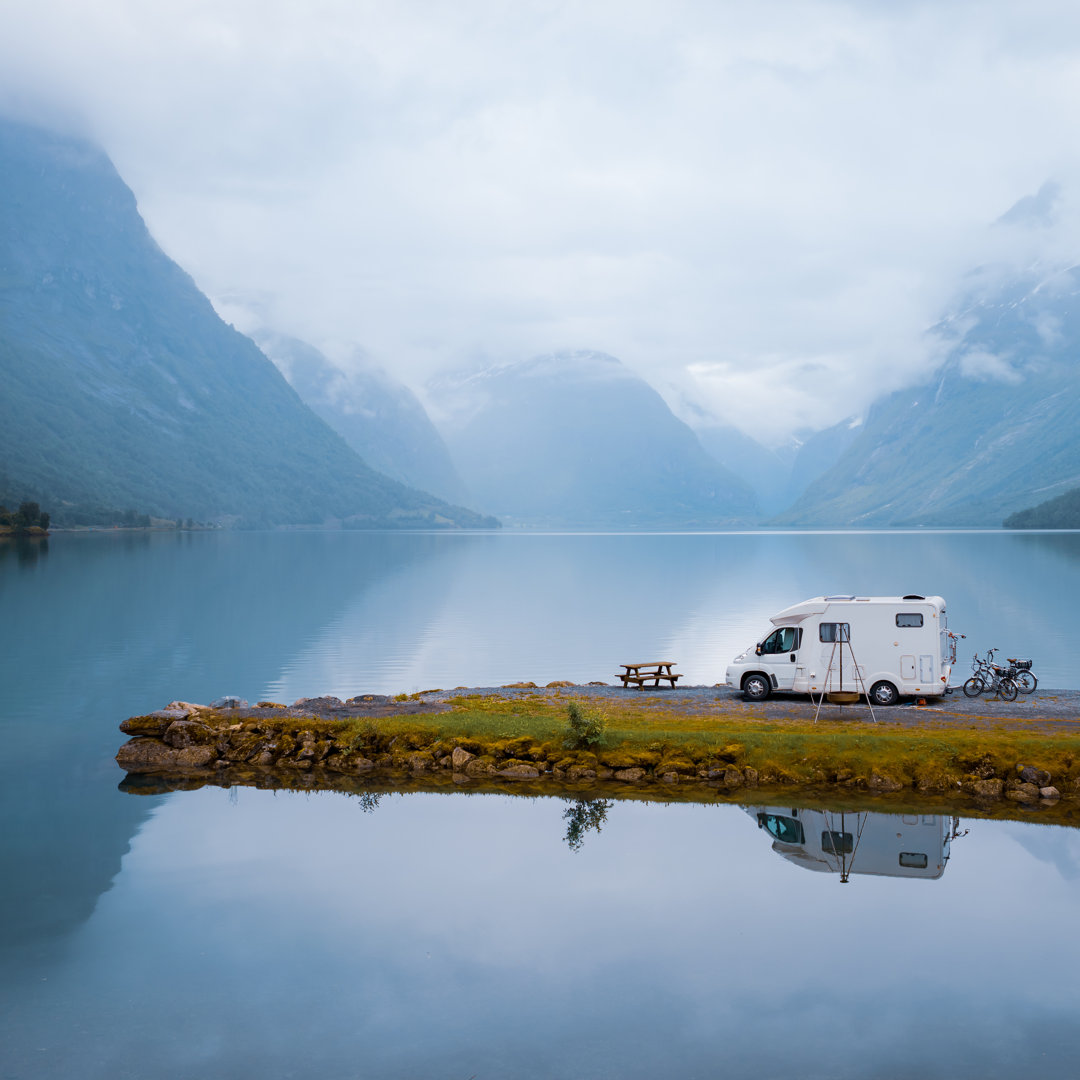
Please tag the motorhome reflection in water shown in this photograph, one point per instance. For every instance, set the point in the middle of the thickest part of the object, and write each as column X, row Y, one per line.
column 883, row 646
column 859, row 842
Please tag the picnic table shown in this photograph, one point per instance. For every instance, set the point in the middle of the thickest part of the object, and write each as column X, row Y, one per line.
column 651, row 672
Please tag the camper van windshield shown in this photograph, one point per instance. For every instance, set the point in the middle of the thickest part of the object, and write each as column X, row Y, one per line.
column 783, row 828
column 786, row 639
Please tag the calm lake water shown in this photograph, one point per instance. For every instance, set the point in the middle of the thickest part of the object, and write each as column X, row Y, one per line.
column 254, row 934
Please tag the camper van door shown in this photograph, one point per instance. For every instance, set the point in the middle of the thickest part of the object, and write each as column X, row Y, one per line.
column 779, row 654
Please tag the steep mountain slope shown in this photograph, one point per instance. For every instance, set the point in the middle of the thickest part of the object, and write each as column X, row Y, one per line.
column 992, row 433
column 778, row 476
column 380, row 418
column 574, row 438
column 122, row 387
column 765, row 471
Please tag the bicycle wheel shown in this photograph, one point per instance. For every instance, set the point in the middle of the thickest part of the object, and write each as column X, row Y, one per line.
column 1006, row 688
column 974, row 686
column 1026, row 682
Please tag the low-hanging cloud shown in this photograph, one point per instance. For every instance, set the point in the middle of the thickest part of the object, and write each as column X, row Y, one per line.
column 760, row 208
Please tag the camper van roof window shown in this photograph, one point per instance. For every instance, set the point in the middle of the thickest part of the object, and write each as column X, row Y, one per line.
column 851, row 597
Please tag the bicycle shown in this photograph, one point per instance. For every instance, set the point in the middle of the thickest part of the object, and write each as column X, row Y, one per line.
column 1025, row 678
column 992, row 677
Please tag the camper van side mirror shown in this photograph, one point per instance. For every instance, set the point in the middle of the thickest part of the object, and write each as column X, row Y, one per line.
column 757, row 651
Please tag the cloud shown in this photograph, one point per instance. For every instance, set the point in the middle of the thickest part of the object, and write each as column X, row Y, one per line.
column 759, row 207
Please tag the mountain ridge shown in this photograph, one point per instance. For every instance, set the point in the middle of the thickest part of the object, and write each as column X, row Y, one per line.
column 122, row 385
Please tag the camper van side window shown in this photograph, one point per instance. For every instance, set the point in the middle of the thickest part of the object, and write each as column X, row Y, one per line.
column 837, row 843
column 909, row 619
column 913, row 859
column 834, row 631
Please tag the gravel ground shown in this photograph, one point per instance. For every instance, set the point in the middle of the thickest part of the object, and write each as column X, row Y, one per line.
column 1044, row 706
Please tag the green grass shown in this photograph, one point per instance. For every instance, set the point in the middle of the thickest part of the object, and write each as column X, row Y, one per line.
column 788, row 750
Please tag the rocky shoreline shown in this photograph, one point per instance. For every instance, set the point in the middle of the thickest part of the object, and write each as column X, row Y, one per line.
column 307, row 745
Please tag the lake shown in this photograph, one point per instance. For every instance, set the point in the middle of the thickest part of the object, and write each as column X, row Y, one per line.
column 249, row 933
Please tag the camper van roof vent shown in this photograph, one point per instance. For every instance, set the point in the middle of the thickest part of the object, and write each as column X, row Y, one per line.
column 851, row 597
column 913, row 596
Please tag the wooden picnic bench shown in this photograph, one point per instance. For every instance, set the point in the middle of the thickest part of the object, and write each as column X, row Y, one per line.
column 651, row 672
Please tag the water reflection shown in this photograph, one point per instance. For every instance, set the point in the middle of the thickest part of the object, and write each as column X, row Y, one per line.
column 112, row 624
column 859, row 842
column 584, row 816
column 26, row 550
column 282, row 934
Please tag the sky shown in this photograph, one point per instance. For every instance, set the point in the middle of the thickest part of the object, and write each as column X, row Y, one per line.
column 760, row 208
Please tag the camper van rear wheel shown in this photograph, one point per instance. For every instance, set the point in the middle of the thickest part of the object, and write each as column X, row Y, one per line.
column 884, row 693
column 756, row 687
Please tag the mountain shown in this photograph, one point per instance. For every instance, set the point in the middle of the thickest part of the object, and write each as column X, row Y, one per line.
column 992, row 432
column 380, row 418
column 122, row 387
column 576, row 439
column 778, row 476
column 765, row 471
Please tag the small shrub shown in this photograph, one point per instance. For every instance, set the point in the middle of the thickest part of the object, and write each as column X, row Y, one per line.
column 584, row 728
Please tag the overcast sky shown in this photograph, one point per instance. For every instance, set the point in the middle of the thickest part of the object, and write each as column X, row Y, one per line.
column 760, row 205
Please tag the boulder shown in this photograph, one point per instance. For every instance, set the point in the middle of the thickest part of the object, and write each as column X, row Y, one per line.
column 988, row 789
column 154, row 723
column 1030, row 775
column 632, row 775
column 151, row 755
column 419, row 761
column 241, row 745
column 727, row 775
column 184, row 733
column 1049, row 793
column 580, row 772
column 481, row 766
column 317, row 703
column 229, row 701
column 1023, row 793
column 460, row 758
column 519, row 770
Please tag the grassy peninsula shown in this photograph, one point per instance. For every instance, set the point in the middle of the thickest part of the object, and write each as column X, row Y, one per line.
column 651, row 745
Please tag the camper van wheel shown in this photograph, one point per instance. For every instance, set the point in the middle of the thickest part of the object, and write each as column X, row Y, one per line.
column 884, row 693
column 756, row 687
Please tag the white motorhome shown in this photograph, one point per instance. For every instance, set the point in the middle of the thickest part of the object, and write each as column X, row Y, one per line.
column 886, row 646
column 858, row 842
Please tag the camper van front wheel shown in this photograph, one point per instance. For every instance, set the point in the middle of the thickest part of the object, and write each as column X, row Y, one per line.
column 756, row 687
column 884, row 693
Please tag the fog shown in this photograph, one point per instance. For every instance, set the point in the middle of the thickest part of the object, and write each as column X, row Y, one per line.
column 759, row 208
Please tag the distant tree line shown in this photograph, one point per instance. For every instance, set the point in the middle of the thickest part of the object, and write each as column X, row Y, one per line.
column 1060, row 513
column 28, row 516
